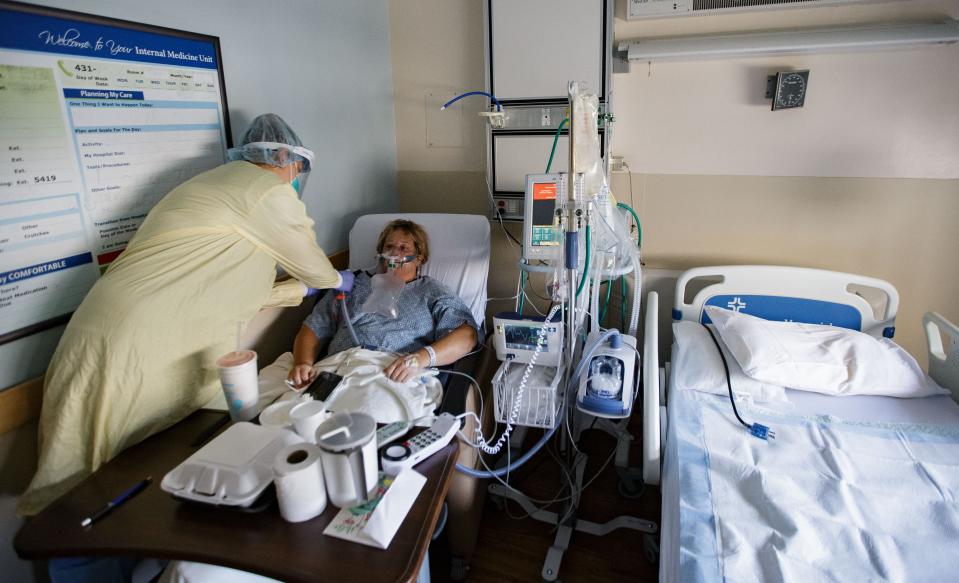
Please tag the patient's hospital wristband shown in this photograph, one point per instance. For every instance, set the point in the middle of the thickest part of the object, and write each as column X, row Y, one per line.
column 429, row 350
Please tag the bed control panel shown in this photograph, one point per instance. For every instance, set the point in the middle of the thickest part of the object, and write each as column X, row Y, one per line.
column 404, row 455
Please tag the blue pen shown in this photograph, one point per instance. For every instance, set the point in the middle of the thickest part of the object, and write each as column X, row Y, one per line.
column 129, row 493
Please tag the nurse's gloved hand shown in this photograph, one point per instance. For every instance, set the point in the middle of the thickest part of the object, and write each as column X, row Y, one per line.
column 311, row 291
column 347, row 283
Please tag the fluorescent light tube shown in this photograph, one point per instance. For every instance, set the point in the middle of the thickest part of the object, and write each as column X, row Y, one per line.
column 859, row 38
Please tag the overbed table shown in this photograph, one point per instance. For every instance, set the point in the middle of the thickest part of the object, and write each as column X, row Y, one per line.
column 154, row 524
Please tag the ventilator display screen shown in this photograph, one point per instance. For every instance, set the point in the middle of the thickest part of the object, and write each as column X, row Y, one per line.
column 99, row 119
column 524, row 338
column 544, row 232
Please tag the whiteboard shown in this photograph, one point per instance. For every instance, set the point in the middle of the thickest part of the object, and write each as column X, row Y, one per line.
column 99, row 119
column 566, row 43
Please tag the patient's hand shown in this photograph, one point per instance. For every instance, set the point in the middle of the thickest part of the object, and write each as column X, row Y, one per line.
column 301, row 375
column 405, row 367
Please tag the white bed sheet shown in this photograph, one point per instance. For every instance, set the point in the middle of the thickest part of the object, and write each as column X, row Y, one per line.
column 936, row 410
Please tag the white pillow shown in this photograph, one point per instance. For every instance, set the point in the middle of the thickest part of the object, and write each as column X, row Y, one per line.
column 697, row 366
column 821, row 359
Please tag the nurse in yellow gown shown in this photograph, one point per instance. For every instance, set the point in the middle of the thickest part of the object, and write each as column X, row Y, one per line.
column 138, row 354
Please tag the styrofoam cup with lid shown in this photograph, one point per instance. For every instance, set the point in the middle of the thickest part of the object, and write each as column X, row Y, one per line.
column 238, row 375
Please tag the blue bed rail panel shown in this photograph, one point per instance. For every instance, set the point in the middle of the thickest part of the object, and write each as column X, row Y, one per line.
column 787, row 309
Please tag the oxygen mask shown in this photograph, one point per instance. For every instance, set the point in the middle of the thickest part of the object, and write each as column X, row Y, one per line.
column 394, row 261
column 387, row 287
column 384, row 295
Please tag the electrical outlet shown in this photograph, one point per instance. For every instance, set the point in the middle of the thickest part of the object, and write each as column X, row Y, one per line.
column 507, row 208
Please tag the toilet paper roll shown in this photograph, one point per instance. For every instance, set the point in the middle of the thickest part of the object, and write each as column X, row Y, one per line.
column 298, row 476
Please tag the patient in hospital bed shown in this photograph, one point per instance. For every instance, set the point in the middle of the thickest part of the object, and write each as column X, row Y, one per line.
column 432, row 326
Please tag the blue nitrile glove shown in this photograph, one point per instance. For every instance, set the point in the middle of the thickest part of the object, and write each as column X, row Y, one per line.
column 347, row 285
column 311, row 291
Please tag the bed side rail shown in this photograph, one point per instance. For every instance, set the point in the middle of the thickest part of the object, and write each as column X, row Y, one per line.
column 943, row 359
column 806, row 295
column 651, row 403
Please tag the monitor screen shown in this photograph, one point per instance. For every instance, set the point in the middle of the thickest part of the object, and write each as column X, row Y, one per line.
column 524, row 338
column 544, row 231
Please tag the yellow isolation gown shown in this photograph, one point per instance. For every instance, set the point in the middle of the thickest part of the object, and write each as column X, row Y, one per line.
column 138, row 354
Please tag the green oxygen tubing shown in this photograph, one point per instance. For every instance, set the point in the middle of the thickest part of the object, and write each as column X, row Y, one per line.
column 552, row 151
column 639, row 226
column 583, row 278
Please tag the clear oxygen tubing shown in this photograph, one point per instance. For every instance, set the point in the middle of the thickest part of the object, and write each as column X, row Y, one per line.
column 622, row 301
column 468, row 93
column 580, row 306
column 520, row 289
column 346, row 316
column 571, row 245
column 637, row 294
column 597, row 278
column 587, row 355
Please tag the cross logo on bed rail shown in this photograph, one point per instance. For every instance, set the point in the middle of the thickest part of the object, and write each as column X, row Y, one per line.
column 737, row 305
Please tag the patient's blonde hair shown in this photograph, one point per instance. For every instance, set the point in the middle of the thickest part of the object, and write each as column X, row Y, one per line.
column 416, row 232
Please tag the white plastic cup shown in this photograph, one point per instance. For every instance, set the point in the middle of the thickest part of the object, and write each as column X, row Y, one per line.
column 306, row 417
column 278, row 414
column 238, row 375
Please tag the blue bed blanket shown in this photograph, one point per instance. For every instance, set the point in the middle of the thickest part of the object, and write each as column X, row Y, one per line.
column 827, row 500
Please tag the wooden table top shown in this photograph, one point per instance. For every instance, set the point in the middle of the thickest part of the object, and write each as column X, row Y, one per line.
column 154, row 524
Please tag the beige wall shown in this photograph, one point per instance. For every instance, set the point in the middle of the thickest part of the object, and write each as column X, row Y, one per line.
column 437, row 47
column 905, row 231
column 717, row 177
column 878, row 114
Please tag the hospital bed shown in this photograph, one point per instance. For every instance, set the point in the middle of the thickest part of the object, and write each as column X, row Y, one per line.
column 852, row 488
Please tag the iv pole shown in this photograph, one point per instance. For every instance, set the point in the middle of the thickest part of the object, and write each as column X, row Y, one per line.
column 568, row 522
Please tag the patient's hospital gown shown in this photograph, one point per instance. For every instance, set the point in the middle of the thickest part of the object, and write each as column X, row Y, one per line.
column 138, row 354
column 427, row 311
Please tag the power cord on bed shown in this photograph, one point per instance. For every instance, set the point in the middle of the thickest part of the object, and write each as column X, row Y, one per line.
column 756, row 429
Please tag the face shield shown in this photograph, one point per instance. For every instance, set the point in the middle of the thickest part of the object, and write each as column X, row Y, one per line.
column 298, row 159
